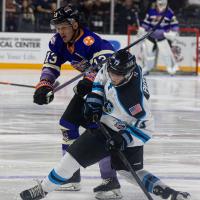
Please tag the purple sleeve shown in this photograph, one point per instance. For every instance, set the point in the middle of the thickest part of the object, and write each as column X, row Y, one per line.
column 50, row 74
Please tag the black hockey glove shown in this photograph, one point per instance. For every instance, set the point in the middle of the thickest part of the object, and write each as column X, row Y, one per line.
column 92, row 113
column 92, row 109
column 43, row 93
column 83, row 87
column 118, row 141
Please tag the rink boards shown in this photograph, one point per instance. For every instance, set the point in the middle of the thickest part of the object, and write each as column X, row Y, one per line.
column 28, row 50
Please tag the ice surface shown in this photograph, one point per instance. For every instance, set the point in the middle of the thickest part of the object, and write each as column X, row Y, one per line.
column 30, row 139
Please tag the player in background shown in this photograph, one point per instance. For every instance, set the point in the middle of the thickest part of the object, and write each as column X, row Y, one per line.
column 83, row 49
column 159, row 42
column 128, row 120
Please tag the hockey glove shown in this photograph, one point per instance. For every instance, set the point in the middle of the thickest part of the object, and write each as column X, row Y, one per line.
column 83, row 87
column 170, row 35
column 43, row 93
column 141, row 32
column 119, row 141
column 92, row 109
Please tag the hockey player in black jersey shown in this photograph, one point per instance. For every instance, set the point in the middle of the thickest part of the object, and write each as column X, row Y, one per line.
column 119, row 100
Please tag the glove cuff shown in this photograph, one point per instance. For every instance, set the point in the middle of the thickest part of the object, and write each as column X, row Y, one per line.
column 44, row 83
column 90, row 75
column 95, row 99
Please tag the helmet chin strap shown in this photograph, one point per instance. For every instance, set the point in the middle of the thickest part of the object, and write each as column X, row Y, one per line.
column 74, row 36
column 126, row 79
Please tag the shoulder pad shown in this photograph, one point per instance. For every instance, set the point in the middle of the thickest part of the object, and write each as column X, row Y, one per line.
column 170, row 12
column 89, row 38
column 55, row 43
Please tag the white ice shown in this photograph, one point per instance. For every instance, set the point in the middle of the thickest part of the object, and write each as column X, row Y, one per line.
column 30, row 139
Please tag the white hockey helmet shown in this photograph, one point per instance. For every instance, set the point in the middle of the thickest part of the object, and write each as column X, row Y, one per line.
column 161, row 4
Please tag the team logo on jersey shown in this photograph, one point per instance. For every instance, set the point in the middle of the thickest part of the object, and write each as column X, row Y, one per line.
column 55, row 14
column 88, row 41
column 135, row 109
column 141, row 123
column 120, row 125
column 108, row 107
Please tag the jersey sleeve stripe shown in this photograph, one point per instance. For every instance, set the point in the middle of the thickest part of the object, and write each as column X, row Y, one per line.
column 99, row 53
column 52, row 66
column 98, row 88
column 95, row 100
column 138, row 133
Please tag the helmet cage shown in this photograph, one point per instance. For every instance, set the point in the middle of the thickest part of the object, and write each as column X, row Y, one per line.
column 161, row 4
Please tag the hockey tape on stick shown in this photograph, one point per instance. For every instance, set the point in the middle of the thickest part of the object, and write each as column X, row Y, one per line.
column 126, row 163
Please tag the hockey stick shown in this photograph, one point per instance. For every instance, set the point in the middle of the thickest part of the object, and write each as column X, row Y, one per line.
column 126, row 162
column 126, row 48
column 56, row 84
column 16, row 84
column 68, row 82
column 137, row 19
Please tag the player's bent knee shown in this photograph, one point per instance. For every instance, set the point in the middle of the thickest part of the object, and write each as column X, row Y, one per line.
column 71, row 163
column 68, row 138
column 89, row 148
column 69, row 130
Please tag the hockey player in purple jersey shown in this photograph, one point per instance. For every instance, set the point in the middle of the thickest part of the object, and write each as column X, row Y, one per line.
column 159, row 42
column 83, row 49
column 121, row 94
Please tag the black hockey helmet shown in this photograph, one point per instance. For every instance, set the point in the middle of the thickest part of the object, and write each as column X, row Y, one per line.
column 122, row 63
column 65, row 14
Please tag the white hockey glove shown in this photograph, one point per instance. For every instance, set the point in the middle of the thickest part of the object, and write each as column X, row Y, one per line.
column 141, row 32
column 171, row 35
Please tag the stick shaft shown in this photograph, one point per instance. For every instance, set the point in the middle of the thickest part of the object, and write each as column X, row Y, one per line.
column 16, row 84
column 68, row 82
column 56, row 84
column 126, row 163
column 135, row 176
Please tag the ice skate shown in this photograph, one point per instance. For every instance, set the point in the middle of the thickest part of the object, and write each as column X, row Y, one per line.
column 170, row 194
column 109, row 189
column 73, row 184
column 172, row 70
column 34, row 193
column 70, row 187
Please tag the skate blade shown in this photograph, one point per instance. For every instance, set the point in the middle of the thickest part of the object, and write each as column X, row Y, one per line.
column 113, row 194
column 70, row 187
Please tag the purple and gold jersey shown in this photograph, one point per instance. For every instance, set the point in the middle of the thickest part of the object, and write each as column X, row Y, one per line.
column 87, row 48
column 152, row 18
